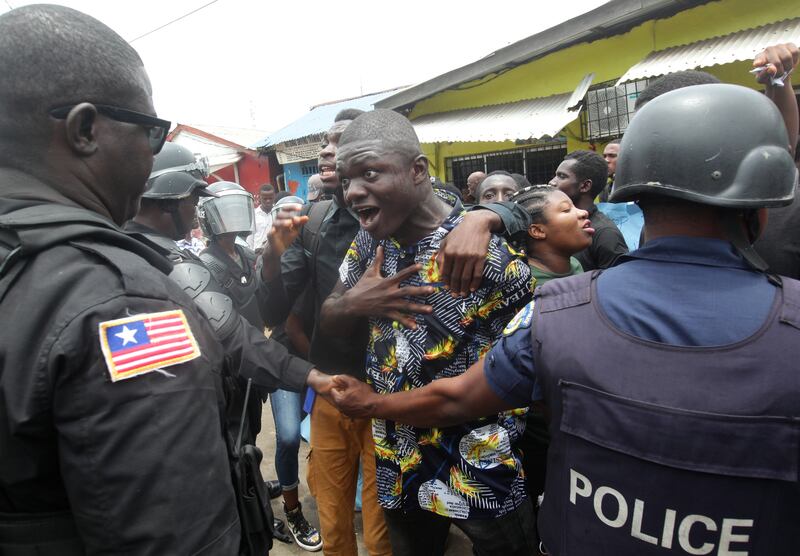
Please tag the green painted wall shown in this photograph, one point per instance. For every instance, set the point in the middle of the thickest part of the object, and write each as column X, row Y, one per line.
column 609, row 58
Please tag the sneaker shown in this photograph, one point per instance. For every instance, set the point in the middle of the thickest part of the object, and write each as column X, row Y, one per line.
column 305, row 535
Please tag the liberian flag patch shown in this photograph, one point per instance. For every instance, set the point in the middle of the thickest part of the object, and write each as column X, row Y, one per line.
column 143, row 343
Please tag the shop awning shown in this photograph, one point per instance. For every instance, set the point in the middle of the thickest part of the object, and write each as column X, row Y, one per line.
column 522, row 120
column 743, row 45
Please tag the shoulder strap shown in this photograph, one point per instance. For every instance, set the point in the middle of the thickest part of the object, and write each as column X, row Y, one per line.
column 790, row 312
column 565, row 292
column 317, row 215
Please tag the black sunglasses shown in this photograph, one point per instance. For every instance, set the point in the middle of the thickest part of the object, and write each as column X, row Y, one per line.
column 157, row 129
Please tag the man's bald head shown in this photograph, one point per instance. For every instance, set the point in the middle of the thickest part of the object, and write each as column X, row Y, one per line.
column 473, row 181
column 53, row 56
column 392, row 130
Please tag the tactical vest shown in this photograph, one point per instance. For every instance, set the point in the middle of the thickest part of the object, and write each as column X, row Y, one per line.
column 201, row 281
column 240, row 284
column 31, row 232
column 27, row 233
column 660, row 449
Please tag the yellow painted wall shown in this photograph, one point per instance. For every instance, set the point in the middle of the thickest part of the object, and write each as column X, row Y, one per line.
column 609, row 58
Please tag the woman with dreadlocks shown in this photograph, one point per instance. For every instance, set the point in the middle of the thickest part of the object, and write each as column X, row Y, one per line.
column 558, row 231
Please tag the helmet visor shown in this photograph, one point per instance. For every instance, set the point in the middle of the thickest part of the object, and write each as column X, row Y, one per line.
column 199, row 168
column 229, row 213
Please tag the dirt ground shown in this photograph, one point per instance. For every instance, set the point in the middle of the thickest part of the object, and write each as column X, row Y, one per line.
column 458, row 544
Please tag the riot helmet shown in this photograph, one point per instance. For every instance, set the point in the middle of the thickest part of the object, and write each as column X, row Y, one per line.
column 176, row 185
column 720, row 145
column 175, row 159
column 230, row 211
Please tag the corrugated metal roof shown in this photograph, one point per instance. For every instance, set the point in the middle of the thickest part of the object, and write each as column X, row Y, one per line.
column 743, row 45
column 239, row 135
column 525, row 119
column 580, row 91
column 319, row 119
column 298, row 153
column 612, row 18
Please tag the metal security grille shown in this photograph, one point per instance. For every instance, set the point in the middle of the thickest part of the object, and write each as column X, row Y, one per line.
column 309, row 169
column 541, row 164
column 608, row 109
column 538, row 164
column 512, row 161
column 459, row 169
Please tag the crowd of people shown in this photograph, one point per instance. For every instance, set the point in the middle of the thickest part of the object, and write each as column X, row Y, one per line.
column 494, row 359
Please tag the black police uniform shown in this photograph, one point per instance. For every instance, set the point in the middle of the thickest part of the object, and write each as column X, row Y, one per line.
column 250, row 353
column 87, row 465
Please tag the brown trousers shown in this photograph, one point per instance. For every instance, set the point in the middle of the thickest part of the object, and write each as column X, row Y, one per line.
column 337, row 445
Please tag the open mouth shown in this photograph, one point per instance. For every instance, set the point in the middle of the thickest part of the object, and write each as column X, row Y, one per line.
column 587, row 227
column 327, row 172
column 367, row 215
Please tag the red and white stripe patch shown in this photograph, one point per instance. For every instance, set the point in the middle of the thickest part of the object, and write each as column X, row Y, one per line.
column 140, row 344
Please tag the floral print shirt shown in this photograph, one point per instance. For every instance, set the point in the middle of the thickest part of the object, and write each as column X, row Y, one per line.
column 468, row 471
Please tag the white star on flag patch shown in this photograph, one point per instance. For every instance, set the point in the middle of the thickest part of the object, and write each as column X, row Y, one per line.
column 144, row 343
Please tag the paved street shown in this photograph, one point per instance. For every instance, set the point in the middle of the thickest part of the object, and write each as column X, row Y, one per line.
column 458, row 543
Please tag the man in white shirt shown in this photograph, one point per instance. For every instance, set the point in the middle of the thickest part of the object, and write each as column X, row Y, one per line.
column 263, row 218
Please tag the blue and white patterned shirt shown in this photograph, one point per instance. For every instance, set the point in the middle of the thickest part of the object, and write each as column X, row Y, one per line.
column 468, row 471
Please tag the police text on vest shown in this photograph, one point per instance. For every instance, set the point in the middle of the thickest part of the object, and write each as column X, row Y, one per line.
column 731, row 531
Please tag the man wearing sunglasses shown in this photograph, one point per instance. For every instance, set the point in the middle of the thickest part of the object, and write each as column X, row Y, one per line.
column 156, row 128
column 111, row 427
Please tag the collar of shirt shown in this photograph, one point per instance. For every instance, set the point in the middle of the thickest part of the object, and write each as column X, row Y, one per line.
column 343, row 208
column 689, row 250
column 432, row 240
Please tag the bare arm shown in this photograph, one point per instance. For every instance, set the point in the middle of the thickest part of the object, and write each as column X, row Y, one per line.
column 443, row 402
column 285, row 229
column 779, row 59
column 463, row 252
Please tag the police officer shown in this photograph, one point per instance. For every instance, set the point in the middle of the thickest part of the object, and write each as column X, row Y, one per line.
column 99, row 452
column 224, row 219
column 168, row 207
column 669, row 378
column 167, row 212
column 112, row 437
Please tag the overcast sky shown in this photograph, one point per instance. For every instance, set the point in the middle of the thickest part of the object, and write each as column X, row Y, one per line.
column 262, row 64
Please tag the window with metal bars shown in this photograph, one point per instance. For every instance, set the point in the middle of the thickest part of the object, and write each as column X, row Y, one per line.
column 608, row 109
column 538, row 164
column 459, row 169
column 309, row 169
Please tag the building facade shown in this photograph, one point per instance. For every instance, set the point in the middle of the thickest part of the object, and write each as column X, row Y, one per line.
column 297, row 145
column 574, row 86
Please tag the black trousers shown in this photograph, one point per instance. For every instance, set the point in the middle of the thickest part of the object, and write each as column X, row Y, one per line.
column 424, row 533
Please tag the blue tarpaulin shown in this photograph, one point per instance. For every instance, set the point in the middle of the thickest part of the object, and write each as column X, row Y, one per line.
column 629, row 219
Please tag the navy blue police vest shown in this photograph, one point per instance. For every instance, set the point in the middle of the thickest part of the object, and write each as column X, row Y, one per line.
column 667, row 450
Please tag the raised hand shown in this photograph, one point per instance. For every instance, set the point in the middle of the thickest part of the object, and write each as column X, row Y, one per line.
column 376, row 296
column 777, row 60
column 463, row 253
column 286, row 226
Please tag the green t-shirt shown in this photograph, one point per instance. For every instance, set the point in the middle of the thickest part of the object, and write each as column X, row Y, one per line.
column 542, row 277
